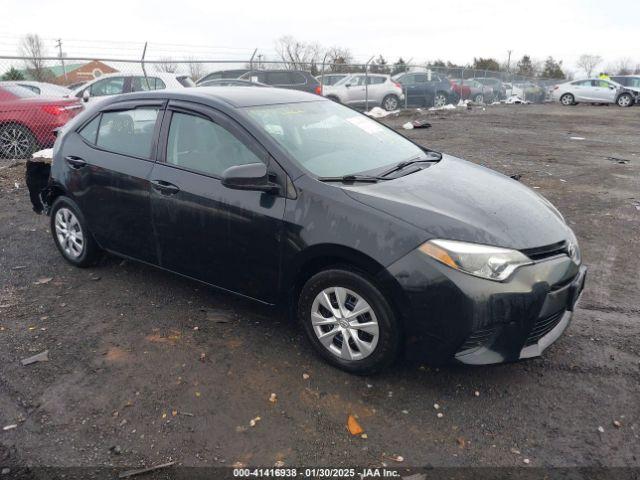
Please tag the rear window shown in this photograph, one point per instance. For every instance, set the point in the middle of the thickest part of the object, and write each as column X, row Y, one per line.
column 19, row 91
column 129, row 132
column 278, row 78
column 186, row 81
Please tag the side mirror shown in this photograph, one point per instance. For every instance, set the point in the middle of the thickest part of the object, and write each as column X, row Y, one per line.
column 252, row 176
column 85, row 95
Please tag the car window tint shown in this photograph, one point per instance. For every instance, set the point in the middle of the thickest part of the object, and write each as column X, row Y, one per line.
column 142, row 84
column 199, row 144
column 356, row 80
column 108, row 86
column 296, row 78
column 278, row 78
column 129, row 132
column 375, row 80
column 90, row 130
column 421, row 78
column 33, row 88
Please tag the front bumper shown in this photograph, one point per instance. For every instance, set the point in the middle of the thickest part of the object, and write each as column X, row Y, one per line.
column 452, row 316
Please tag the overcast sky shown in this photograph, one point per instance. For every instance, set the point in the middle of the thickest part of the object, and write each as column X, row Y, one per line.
column 455, row 30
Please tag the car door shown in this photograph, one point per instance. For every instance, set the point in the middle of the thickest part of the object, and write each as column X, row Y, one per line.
column 355, row 89
column 228, row 238
column 109, row 162
column 583, row 91
column 605, row 91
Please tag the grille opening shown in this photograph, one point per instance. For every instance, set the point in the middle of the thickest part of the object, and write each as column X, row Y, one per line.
column 477, row 339
column 547, row 251
column 542, row 326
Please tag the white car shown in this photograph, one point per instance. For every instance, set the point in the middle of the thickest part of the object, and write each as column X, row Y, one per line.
column 117, row 83
column 513, row 90
column 591, row 90
column 42, row 88
column 382, row 91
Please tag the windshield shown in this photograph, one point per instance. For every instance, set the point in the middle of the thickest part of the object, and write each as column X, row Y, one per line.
column 329, row 139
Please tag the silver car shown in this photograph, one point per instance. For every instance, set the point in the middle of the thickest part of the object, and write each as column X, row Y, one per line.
column 591, row 90
column 372, row 89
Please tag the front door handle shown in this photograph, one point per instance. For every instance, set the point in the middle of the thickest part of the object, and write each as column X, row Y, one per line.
column 165, row 188
column 75, row 162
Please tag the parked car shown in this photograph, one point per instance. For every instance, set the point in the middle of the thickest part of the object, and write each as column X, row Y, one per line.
column 231, row 82
column 382, row 91
column 75, row 85
column 531, row 92
column 291, row 79
column 28, row 120
column 330, row 79
column 631, row 83
column 513, row 90
column 497, row 85
column 422, row 89
column 593, row 90
column 117, row 83
column 379, row 246
column 223, row 75
column 470, row 89
column 42, row 88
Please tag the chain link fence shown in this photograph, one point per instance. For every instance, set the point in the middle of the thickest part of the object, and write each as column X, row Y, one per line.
column 39, row 95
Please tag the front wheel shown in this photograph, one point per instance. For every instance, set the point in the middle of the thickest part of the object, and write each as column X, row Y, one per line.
column 440, row 100
column 567, row 99
column 390, row 102
column 16, row 141
column 625, row 100
column 71, row 235
column 348, row 321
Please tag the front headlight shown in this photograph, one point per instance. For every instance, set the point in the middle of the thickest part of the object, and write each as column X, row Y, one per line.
column 573, row 249
column 492, row 263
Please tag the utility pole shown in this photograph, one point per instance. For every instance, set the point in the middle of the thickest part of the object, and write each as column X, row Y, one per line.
column 64, row 70
column 509, row 61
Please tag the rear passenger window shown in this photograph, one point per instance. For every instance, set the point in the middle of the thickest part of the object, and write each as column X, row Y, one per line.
column 129, row 132
column 278, row 78
column 196, row 143
column 90, row 130
column 296, row 78
column 142, row 84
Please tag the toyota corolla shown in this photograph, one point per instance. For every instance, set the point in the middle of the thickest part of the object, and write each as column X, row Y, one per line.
column 378, row 246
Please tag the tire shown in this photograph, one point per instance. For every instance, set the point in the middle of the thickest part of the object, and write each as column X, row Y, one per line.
column 479, row 98
column 17, row 141
column 440, row 100
column 567, row 99
column 333, row 98
column 369, row 348
column 71, row 235
column 390, row 103
column 624, row 100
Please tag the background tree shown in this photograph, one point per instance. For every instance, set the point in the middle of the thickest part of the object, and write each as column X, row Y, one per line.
column 486, row 64
column 553, row 69
column 166, row 65
column 196, row 70
column 623, row 67
column 33, row 49
column 379, row 65
column 13, row 74
column 588, row 63
column 525, row 66
column 399, row 67
column 296, row 54
column 338, row 59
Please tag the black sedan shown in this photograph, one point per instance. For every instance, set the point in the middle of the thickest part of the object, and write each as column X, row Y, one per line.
column 377, row 245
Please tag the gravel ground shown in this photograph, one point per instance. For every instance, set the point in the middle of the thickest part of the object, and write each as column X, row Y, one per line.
column 146, row 367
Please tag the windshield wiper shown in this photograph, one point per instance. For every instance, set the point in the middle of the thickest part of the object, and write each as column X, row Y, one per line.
column 352, row 179
column 405, row 163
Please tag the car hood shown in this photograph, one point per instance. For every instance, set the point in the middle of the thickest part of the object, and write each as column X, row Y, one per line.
column 458, row 200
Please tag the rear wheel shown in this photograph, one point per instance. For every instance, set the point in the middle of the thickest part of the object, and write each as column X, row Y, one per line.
column 440, row 99
column 333, row 98
column 567, row 99
column 16, row 141
column 71, row 235
column 390, row 102
column 625, row 100
column 479, row 98
column 348, row 321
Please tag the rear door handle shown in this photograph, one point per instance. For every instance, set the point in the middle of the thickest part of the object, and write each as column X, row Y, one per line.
column 75, row 162
column 165, row 187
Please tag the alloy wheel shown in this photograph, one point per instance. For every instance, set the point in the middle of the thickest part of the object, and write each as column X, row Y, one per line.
column 440, row 100
column 344, row 323
column 14, row 142
column 69, row 233
column 566, row 100
column 390, row 103
column 624, row 100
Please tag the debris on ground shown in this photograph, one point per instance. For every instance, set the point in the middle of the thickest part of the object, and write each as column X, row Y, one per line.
column 526, row 461
column 477, row 393
column 46, row 153
column 396, row 458
column 440, row 415
column 377, row 112
column 115, row 449
column 40, row 357
column 577, row 138
column 617, row 424
column 353, row 426
column 273, row 398
column 5, row 471
column 305, row 376
column 254, row 421
column 449, row 106
column 279, row 464
column 516, row 176
column 622, row 161
column 408, row 126
column 6, row 428
column 601, row 429
column 43, row 280
column 436, row 406
column 461, row 442
column 516, row 100
column 420, row 123
column 515, row 451
column 131, row 473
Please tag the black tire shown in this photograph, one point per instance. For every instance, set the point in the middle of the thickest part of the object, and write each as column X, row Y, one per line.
column 17, row 141
column 478, row 98
column 567, row 99
column 390, row 102
column 440, row 96
column 624, row 100
column 90, row 251
column 389, row 334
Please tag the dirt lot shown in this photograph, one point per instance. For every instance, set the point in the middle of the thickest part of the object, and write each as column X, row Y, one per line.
column 146, row 367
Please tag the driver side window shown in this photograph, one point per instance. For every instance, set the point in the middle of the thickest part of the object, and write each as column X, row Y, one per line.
column 196, row 143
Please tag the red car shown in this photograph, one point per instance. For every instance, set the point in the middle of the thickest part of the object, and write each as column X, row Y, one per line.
column 28, row 121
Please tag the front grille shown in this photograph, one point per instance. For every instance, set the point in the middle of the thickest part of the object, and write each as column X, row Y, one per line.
column 543, row 326
column 477, row 339
column 540, row 253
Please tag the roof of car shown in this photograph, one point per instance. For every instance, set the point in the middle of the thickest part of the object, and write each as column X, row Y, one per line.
column 237, row 97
